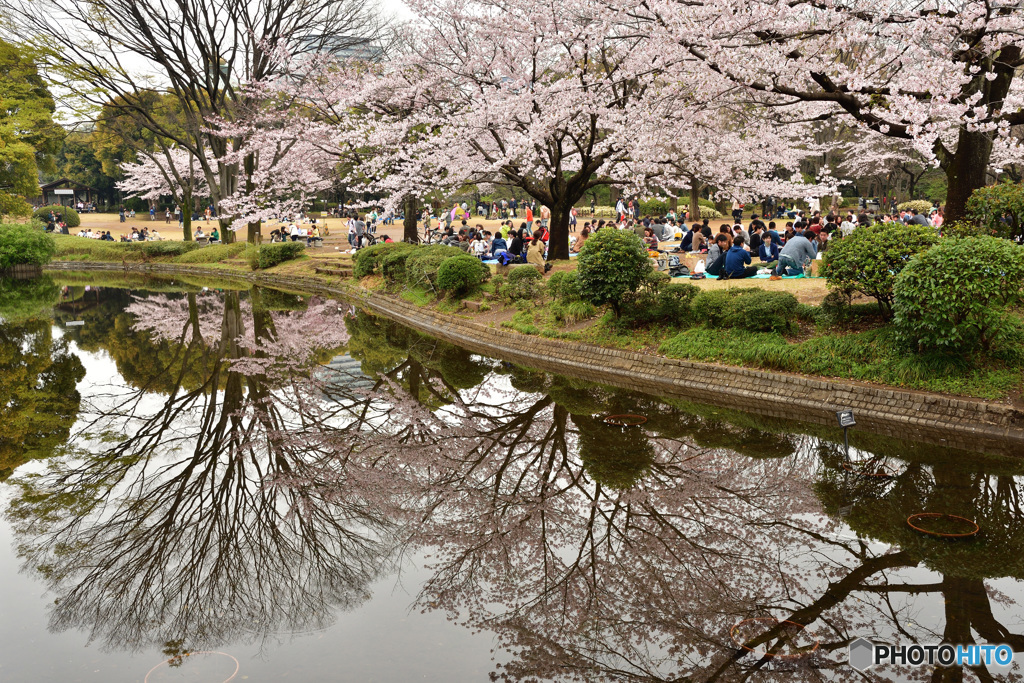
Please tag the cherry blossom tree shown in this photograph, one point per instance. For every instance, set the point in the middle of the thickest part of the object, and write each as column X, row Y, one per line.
column 201, row 53
column 941, row 76
column 576, row 100
column 175, row 172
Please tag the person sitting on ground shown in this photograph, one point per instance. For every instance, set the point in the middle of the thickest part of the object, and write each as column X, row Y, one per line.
column 686, row 243
column 480, row 247
column 498, row 244
column 738, row 231
column 699, row 243
column 155, row 236
column 737, row 262
column 649, row 239
column 215, row 235
column 578, row 244
column 198, row 234
column 797, row 250
column 768, row 252
column 535, row 253
column 518, row 245
column 756, row 237
column 716, row 254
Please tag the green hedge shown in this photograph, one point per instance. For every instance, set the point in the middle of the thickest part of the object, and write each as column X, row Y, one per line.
column 368, row 260
column 869, row 259
column 460, row 274
column 22, row 244
column 213, row 253
column 612, row 263
column 523, row 283
column 954, row 297
column 269, row 255
column 422, row 264
column 157, row 249
column 43, row 213
column 756, row 310
column 922, row 206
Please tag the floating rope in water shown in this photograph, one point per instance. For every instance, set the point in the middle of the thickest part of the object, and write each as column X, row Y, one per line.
column 203, row 652
column 913, row 520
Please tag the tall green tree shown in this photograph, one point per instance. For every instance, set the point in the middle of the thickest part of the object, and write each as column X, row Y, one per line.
column 29, row 138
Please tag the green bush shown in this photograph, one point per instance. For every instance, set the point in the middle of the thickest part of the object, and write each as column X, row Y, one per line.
column 612, row 263
column 523, row 283
column 667, row 304
column 653, row 207
column 460, row 274
column 564, row 286
column 368, row 260
column 43, row 213
column 954, row 296
column 422, row 264
column 554, row 283
column 157, row 249
column 22, row 244
column 922, row 206
column 212, row 254
column 393, row 265
column 999, row 208
column 710, row 307
column 760, row 310
column 869, row 259
column 963, row 229
column 756, row 310
column 269, row 255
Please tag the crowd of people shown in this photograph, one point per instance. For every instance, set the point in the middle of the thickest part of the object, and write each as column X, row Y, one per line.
column 775, row 247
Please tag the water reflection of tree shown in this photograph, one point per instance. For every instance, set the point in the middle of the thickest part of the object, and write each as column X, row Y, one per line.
column 629, row 554
column 39, row 399
column 172, row 533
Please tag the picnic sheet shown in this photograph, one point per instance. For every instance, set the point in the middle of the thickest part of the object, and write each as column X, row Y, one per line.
column 754, row 277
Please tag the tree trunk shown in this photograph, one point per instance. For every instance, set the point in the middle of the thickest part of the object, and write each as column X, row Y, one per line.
column 409, row 232
column 558, row 241
column 694, row 199
column 253, row 234
column 965, row 172
column 227, row 235
column 186, row 216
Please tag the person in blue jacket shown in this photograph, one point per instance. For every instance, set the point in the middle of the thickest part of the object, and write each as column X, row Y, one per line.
column 737, row 261
column 768, row 252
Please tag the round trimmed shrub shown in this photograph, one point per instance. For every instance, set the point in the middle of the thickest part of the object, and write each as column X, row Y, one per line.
column 22, row 244
column 612, row 263
column 954, row 296
column 869, row 259
column 759, row 310
column 922, row 206
column 368, row 260
column 269, row 255
column 422, row 264
column 460, row 274
column 710, row 307
column 523, row 283
column 43, row 213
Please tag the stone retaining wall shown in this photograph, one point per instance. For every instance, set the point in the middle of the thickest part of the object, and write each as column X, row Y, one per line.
column 920, row 416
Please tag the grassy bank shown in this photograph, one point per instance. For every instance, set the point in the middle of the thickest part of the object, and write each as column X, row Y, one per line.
column 859, row 345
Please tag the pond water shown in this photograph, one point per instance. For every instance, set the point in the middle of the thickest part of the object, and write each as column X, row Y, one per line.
column 203, row 481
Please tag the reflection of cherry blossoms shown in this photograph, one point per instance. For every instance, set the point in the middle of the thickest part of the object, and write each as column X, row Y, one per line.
column 158, row 525
column 600, row 552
